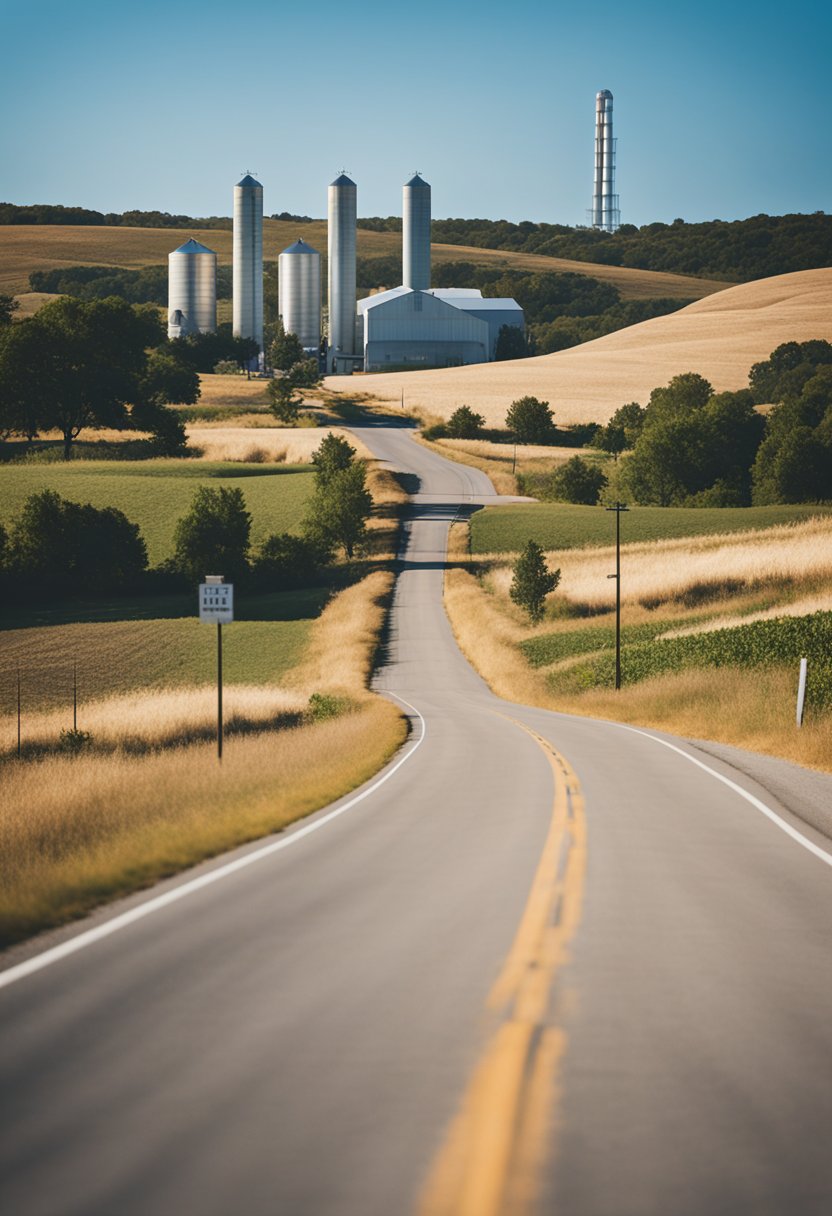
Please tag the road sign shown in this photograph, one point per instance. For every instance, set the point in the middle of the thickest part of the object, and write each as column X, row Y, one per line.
column 216, row 603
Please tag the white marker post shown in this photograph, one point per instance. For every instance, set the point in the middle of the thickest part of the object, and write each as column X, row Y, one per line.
column 216, row 603
column 801, row 692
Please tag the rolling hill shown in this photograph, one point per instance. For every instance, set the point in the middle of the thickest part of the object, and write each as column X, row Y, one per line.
column 25, row 247
column 719, row 336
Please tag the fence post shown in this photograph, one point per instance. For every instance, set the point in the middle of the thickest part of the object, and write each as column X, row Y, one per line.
column 801, row 692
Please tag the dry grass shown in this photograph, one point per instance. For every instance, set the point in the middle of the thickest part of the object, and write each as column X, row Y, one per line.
column 77, row 831
column 719, row 336
column 800, row 607
column 750, row 709
column 268, row 444
column 28, row 247
column 234, row 391
column 670, row 569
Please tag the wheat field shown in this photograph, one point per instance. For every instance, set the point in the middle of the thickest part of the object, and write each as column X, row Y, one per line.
column 719, row 337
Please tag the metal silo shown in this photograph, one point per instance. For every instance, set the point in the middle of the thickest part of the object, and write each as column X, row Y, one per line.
column 605, row 214
column 343, row 201
column 248, row 260
column 416, row 234
column 299, row 293
column 192, row 290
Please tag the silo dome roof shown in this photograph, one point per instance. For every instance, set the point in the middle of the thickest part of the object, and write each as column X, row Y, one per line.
column 300, row 246
column 193, row 246
column 343, row 180
column 248, row 180
column 416, row 180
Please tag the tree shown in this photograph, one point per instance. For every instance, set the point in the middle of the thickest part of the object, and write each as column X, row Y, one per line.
column 8, row 305
column 532, row 581
column 339, row 510
column 531, row 421
column 333, row 454
column 684, row 394
column 284, row 562
column 511, row 344
column 784, row 373
column 286, row 350
column 165, row 380
column 578, row 481
column 58, row 546
column 214, row 537
column 464, row 423
column 287, row 390
column 622, row 430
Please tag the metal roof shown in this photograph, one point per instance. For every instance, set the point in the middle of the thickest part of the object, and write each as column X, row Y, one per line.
column 343, row 180
column 193, row 246
column 486, row 304
column 456, row 293
column 248, row 180
column 416, row 180
column 300, row 246
column 381, row 297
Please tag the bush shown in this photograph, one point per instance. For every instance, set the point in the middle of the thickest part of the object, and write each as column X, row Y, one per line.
column 61, row 547
column 465, row 424
column 285, row 562
column 73, row 742
column 578, row 481
column 323, row 706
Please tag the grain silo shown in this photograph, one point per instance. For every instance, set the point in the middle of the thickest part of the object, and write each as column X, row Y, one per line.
column 343, row 202
column 605, row 214
column 299, row 293
column 192, row 290
column 248, row 260
column 416, row 234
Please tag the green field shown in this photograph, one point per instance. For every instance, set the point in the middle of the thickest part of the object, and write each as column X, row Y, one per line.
column 118, row 656
column 155, row 493
column 563, row 526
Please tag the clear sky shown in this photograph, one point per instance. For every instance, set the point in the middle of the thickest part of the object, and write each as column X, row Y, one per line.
column 720, row 108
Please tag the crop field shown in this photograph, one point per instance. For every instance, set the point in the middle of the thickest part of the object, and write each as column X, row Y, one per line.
column 719, row 337
column 155, row 493
column 28, row 247
column 558, row 526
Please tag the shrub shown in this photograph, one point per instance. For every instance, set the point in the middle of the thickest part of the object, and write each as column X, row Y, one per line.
column 323, row 706
column 285, row 562
column 213, row 538
column 532, row 581
column 465, row 424
column 531, row 420
column 578, row 481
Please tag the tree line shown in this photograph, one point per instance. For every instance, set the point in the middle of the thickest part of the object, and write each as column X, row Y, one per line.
column 59, row 548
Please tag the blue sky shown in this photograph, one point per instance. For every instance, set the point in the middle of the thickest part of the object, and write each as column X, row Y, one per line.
column 720, row 109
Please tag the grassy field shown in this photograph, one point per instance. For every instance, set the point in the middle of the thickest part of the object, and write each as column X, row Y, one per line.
column 24, row 248
column 558, row 526
column 118, row 656
column 712, row 628
column 719, row 337
column 76, row 831
column 155, row 493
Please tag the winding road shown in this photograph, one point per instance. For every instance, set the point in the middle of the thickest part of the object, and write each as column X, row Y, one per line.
column 540, row 963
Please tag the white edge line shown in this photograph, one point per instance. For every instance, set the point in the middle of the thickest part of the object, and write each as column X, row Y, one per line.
column 738, row 789
column 39, row 961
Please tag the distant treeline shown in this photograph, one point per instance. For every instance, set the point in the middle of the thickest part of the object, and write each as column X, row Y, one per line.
column 737, row 251
column 146, row 286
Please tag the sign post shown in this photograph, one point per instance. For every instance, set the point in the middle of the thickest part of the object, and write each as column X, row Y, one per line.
column 216, row 603
column 618, row 508
column 801, row 692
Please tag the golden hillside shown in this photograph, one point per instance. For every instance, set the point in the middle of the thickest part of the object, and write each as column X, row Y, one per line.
column 28, row 247
column 719, row 336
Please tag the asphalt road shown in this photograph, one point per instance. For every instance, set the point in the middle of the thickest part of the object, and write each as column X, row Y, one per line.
column 298, row 1035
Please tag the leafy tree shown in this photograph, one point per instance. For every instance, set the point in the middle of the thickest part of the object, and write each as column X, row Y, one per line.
column 26, row 381
column 286, row 350
column 165, row 380
column 783, row 375
column 622, row 430
column 464, row 423
column 287, row 390
column 578, row 481
column 531, row 420
column 339, row 510
column 8, row 305
column 333, row 454
column 511, row 344
column 532, row 581
column 669, row 462
column 685, row 393
column 214, row 537
column 58, row 546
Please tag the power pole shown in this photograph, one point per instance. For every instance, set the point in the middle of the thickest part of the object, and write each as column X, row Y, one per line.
column 618, row 508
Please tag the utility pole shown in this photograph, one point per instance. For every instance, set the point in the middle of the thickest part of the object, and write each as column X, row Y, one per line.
column 618, row 508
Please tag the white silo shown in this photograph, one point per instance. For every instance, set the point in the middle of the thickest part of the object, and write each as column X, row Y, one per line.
column 416, row 234
column 605, row 213
column 192, row 290
column 248, row 260
column 299, row 293
column 343, row 202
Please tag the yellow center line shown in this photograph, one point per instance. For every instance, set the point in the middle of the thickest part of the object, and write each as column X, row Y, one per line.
column 489, row 1163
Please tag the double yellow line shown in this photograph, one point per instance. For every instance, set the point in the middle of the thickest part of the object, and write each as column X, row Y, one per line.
column 490, row 1161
